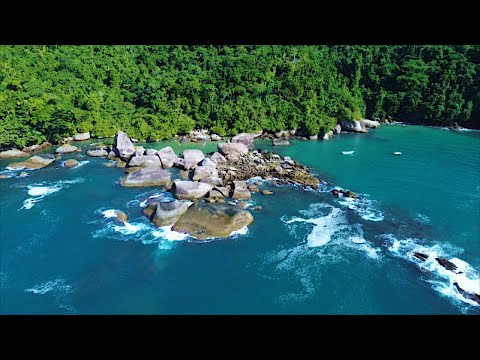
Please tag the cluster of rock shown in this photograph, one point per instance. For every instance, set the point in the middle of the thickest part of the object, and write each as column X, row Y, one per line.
column 199, row 136
column 450, row 266
column 214, row 178
column 76, row 137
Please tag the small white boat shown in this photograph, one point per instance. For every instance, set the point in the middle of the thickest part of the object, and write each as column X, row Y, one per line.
column 397, row 153
column 348, row 152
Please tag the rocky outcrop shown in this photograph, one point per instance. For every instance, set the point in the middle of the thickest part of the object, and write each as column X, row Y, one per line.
column 233, row 148
column 337, row 129
column 64, row 149
column 245, row 139
column 267, row 192
column 167, row 156
column 327, row 135
column 70, row 163
column 149, row 176
column 97, row 152
column 123, row 146
column 446, row 264
column 371, row 123
column 420, row 256
column 240, row 190
column 188, row 190
column 466, row 294
column 35, row 162
column 280, row 142
column 205, row 220
column 218, row 158
column 285, row 134
column 145, row 160
column 192, row 157
column 13, row 153
column 353, row 126
column 165, row 213
column 204, row 171
column 82, row 136
column 346, row 193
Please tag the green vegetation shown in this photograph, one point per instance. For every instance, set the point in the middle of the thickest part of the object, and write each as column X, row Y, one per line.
column 154, row 92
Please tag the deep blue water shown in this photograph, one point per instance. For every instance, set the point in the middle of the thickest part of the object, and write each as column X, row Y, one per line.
column 305, row 253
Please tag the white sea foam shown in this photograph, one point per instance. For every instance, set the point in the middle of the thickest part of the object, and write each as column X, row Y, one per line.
column 464, row 275
column 240, row 232
column 109, row 213
column 424, row 219
column 58, row 289
column 41, row 190
column 166, row 232
column 130, row 228
column 363, row 207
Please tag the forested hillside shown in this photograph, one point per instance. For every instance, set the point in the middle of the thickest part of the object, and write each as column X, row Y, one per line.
column 154, row 92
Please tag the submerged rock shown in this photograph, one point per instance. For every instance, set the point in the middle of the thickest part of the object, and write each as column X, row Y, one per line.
column 97, row 152
column 212, row 220
column 70, row 163
column 420, row 256
column 13, row 153
column 446, row 264
column 121, row 216
column 188, row 190
column 35, row 162
column 149, row 176
column 165, row 213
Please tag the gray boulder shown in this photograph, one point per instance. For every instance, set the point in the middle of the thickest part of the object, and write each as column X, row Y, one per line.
column 353, row 126
column 337, row 129
column 192, row 157
column 64, row 149
column 203, row 171
column 240, row 190
column 165, row 213
column 370, row 123
column 123, row 146
column 208, row 163
column 218, row 158
column 82, row 136
column 145, row 160
column 215, row 137
column 14, row 153
column 150, row 152
column 313, row 137
column 245, row 139
column 167, row 156
column 179, row 163
column 232, row 148
column 139, row 151
column 280, row 142
column 188, row 190
column 149, row 176
column 97, row 152
column 35, row 162
column 212, row 180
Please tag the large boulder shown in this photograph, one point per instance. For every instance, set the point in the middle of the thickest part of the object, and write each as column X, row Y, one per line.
column 139, row 151
column 201, row 172
column 240, row 190
column 204, row 220
column 337, row 129
column 149, row 176
column 151, row 152
column 97, row 152
column 35, row 162
column 353, row 126
column 179, row 163
column 370, row 123
column 208, row 163
column 232, row 148
column 218, row 158
column 81, row 137
column 327, row 135
column 70, row 163
column 212, row 180
column 215, row 137
column 313, row 137
column 192, row 157
column 188, row 190
column 280, row 142
column 64, row 149
column 167, row 156
column 245, row 139
column 123, row 146
column 165, row 213
column 145, row 160
column 14, row 153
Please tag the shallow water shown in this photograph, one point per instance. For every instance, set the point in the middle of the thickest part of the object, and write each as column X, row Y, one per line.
column 63, row 252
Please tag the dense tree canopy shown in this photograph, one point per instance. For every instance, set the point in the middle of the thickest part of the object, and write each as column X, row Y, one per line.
column 154, row 92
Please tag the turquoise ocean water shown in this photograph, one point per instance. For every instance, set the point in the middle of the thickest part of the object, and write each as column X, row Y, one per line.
column 305, row 253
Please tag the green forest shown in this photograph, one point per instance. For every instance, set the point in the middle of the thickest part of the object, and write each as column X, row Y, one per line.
column 155, row 92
